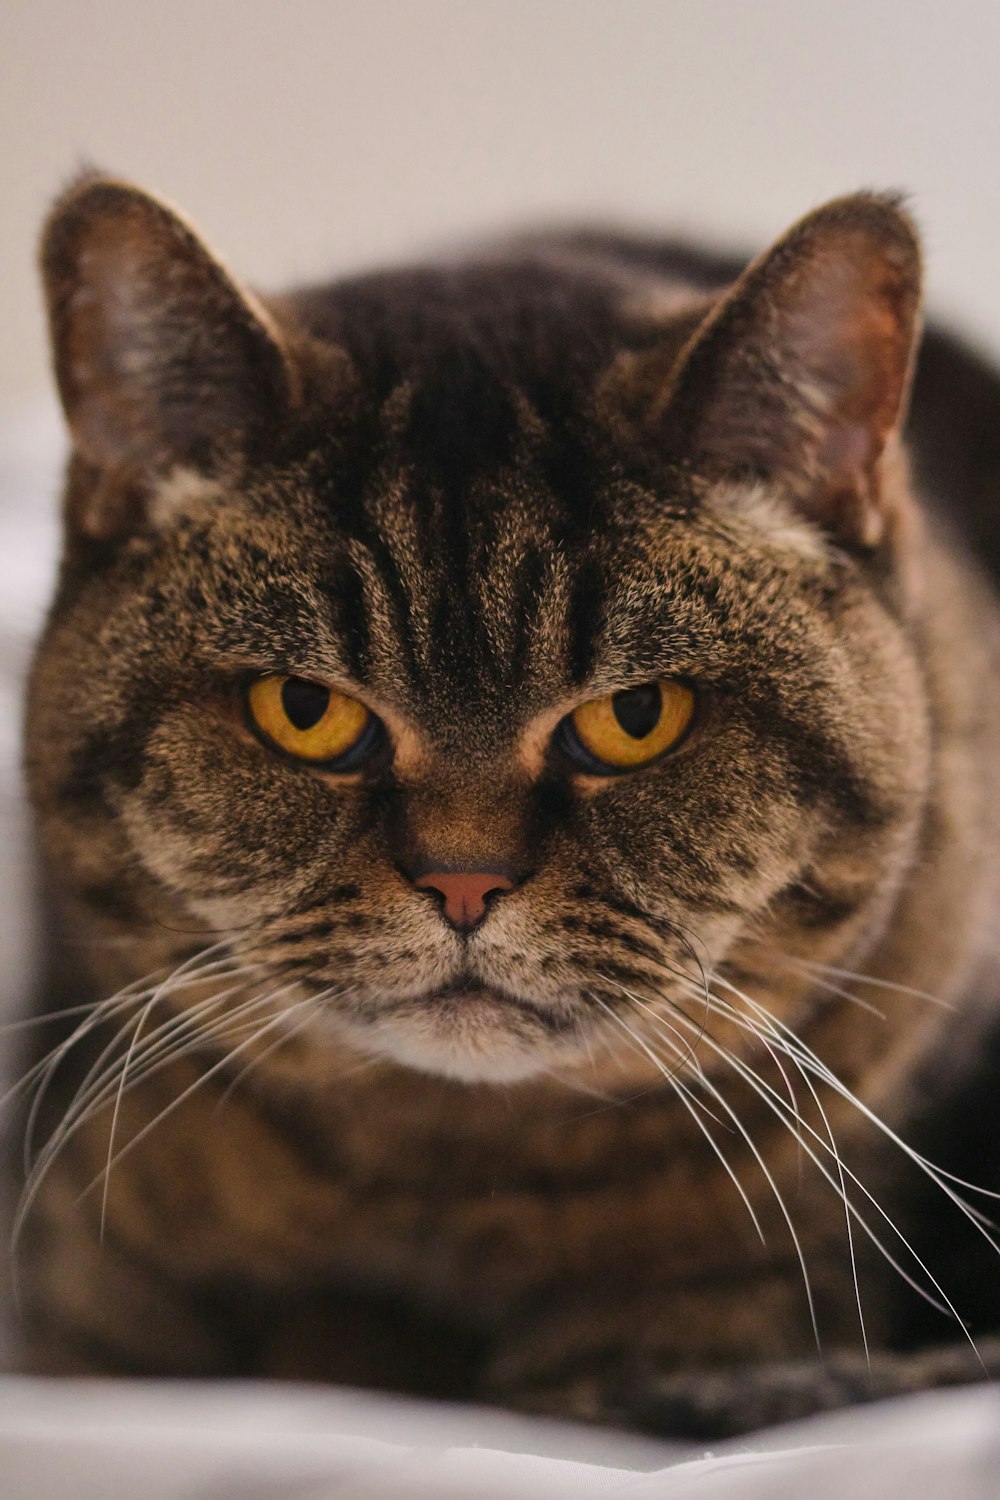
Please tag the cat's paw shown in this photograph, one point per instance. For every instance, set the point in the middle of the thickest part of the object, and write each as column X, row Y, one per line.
column 700, row 1404
column 710, row 1404
column 725, row 1402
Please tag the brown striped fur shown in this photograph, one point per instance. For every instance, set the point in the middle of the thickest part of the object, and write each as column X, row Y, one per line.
column 476, row 495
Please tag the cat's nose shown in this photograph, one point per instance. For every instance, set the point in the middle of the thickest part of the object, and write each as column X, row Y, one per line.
column 465, row 892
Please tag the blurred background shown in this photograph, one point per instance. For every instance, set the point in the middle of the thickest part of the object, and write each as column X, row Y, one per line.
column 316, row 136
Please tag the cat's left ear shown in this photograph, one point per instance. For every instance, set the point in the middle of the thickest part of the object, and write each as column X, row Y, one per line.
column 161, row 358
column 801, row 373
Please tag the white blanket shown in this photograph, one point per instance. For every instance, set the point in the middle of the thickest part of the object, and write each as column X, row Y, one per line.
column 117, row 1440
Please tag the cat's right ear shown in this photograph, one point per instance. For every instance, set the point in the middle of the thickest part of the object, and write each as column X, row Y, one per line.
column 799, row 374
column 161, row 358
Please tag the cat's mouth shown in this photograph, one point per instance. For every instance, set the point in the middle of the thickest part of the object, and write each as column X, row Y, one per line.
column 473, row 1031
column 469, row 994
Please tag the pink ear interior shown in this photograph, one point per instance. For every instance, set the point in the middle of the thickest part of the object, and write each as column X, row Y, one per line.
column 801, row 372
column 159, row 355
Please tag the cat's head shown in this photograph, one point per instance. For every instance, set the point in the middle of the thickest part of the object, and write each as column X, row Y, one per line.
column 486, row 650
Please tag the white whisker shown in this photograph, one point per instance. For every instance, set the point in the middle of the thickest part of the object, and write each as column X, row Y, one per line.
column 95, row 1087
column 91, row 1090
column 769, row 1176
column 780, row 1108
column 147, row 1008
column 689, row 1104
column 777, row 1104
column 981, row 1222
column 199, row 1082
column 282, row 1041
column 644, row 1049
column 842, row 1185
column 810, row 965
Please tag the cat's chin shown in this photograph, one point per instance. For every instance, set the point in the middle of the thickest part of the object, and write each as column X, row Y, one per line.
column 473, row 1035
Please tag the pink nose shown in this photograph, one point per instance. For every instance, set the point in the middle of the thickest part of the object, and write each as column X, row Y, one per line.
column 464, row 893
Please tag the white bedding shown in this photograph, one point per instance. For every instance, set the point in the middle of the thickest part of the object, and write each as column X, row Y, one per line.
column 118, row 1440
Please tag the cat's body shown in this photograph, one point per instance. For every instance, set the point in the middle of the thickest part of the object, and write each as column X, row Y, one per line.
column 481, row 498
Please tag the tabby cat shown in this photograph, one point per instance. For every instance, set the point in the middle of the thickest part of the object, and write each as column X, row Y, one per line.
column 515, row 756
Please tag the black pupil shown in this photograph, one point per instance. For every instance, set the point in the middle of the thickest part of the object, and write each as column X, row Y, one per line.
column 638, row 710
column 304, row 702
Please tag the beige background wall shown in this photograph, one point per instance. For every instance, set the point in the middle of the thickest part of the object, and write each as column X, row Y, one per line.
column 308, row 137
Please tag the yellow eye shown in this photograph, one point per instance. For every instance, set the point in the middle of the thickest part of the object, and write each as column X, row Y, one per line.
column 312, row 722
column 630, row 728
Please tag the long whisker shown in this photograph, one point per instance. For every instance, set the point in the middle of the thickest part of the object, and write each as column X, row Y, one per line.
column 143, row 1016
column 40, row 1071
column 282, row 1041
column 47, row 1017
column 168, row 1053
column 690, row 1105
column 72, row 1121
column 93, row 1087
column 134, row 993
column 816, row 1064
column 780, row 1108
column 838, row 989
column 848, row 1219
column 842, row 1187
column 810, row 964
column 687, row 1058
column 89, row 1089
column 199, row 1082
column 923, row 1162
column 765, row 1169
column 91, row 1093
column 124, row 1075
column 777, row 1104
column 44, row 1071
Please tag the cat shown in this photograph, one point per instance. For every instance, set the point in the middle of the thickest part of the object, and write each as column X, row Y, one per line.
column 515, row 758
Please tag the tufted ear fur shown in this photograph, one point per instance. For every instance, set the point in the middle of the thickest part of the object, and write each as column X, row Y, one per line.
column 800, row 373
column 160, row 357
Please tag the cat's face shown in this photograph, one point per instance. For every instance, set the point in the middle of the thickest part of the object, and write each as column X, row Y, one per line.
column 477, row 512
